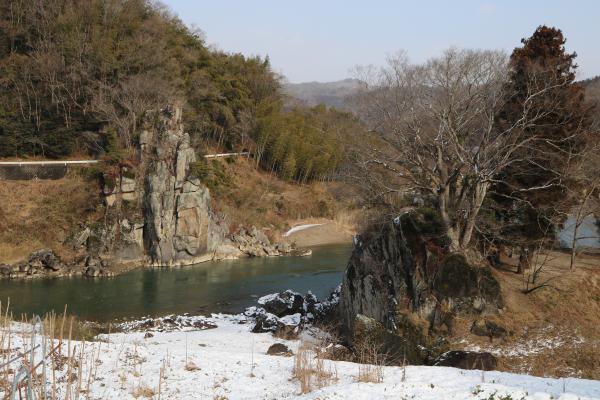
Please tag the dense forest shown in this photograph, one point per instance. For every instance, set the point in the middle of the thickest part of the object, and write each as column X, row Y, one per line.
column 77, row 77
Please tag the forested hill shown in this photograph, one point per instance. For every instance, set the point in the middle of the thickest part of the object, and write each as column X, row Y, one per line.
column 77, row 77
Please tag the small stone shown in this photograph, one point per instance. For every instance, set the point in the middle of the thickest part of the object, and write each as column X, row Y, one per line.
column 279, row 349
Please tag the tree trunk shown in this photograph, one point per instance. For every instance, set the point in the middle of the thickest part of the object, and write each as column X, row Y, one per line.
column 451, row 231
column 524, row 259
column 467, row 233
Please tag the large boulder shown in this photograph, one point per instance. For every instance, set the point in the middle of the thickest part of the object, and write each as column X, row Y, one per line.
column 285, row 303
column 286, row 313
column 406, row 270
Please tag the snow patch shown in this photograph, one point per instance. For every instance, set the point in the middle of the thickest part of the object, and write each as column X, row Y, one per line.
column 233, row 363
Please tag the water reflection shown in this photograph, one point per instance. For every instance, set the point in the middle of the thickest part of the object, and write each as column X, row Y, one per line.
column 227, row 286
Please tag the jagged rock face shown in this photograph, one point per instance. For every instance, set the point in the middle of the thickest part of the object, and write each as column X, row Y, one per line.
column 402, row 271
column 176, row 207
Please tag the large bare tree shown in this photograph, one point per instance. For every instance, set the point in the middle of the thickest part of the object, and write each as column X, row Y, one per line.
column 443, row 135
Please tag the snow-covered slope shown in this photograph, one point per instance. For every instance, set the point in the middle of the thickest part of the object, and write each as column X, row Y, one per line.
column 230, row 362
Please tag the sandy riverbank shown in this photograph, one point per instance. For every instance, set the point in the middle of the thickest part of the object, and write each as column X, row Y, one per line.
column 319, row 232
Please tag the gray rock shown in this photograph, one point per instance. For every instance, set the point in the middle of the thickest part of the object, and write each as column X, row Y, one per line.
column 265, row 322
column 80, row 239
column 283, row 248
column 259, row 236
column 45, row 259
column 23, row 267
column 285, row 303
column 179, row 220
column 467, row 360
column 271, row 251
column 336, row 352
column 227, row 252
column 400, row 268
column 92, row 272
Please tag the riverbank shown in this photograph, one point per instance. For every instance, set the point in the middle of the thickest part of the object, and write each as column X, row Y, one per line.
column 230, row 362
column 319, row 232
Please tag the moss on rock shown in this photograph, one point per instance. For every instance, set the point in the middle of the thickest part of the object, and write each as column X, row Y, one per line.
column 458, row 279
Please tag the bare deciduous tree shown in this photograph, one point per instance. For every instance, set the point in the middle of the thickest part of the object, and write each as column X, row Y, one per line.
column 440, row 122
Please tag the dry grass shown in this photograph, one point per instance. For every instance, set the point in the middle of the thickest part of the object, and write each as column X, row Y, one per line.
column 142, row 390
column 311, row 370
column 41, row 214
column 370, row 361
column 554, row 328
column 75, row 363
column 255, row 197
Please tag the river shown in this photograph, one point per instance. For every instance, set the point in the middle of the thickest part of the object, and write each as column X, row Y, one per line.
column 225, row 286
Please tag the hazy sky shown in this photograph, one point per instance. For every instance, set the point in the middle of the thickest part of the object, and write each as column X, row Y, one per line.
column 312, row 40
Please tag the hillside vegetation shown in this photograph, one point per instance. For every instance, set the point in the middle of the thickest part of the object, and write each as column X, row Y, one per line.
column 78, row 77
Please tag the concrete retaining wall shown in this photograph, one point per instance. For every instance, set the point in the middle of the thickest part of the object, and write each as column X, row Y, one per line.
column 29, row 172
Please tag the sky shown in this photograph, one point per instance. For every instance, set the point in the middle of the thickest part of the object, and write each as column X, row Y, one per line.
column 312, row 40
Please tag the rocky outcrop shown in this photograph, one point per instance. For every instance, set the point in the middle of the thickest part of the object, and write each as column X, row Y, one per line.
column 404, row 278
column 179, row 225
column 157, row 213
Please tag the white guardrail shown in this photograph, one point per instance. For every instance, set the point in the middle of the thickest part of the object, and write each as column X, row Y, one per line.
column 75, row 162
column 67, row 162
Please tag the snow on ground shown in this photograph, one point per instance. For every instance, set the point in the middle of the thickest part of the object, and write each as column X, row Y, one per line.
column 300, row 228
column 230, row 362
column 549, row 338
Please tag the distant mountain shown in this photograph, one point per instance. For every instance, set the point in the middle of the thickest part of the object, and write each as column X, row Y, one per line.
column 333, row 94
column 592, row 88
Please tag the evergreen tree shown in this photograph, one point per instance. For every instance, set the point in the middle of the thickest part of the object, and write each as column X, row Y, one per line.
column 533, row 191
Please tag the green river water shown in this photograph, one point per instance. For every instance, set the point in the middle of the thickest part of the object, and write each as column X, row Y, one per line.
column 225, row 286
